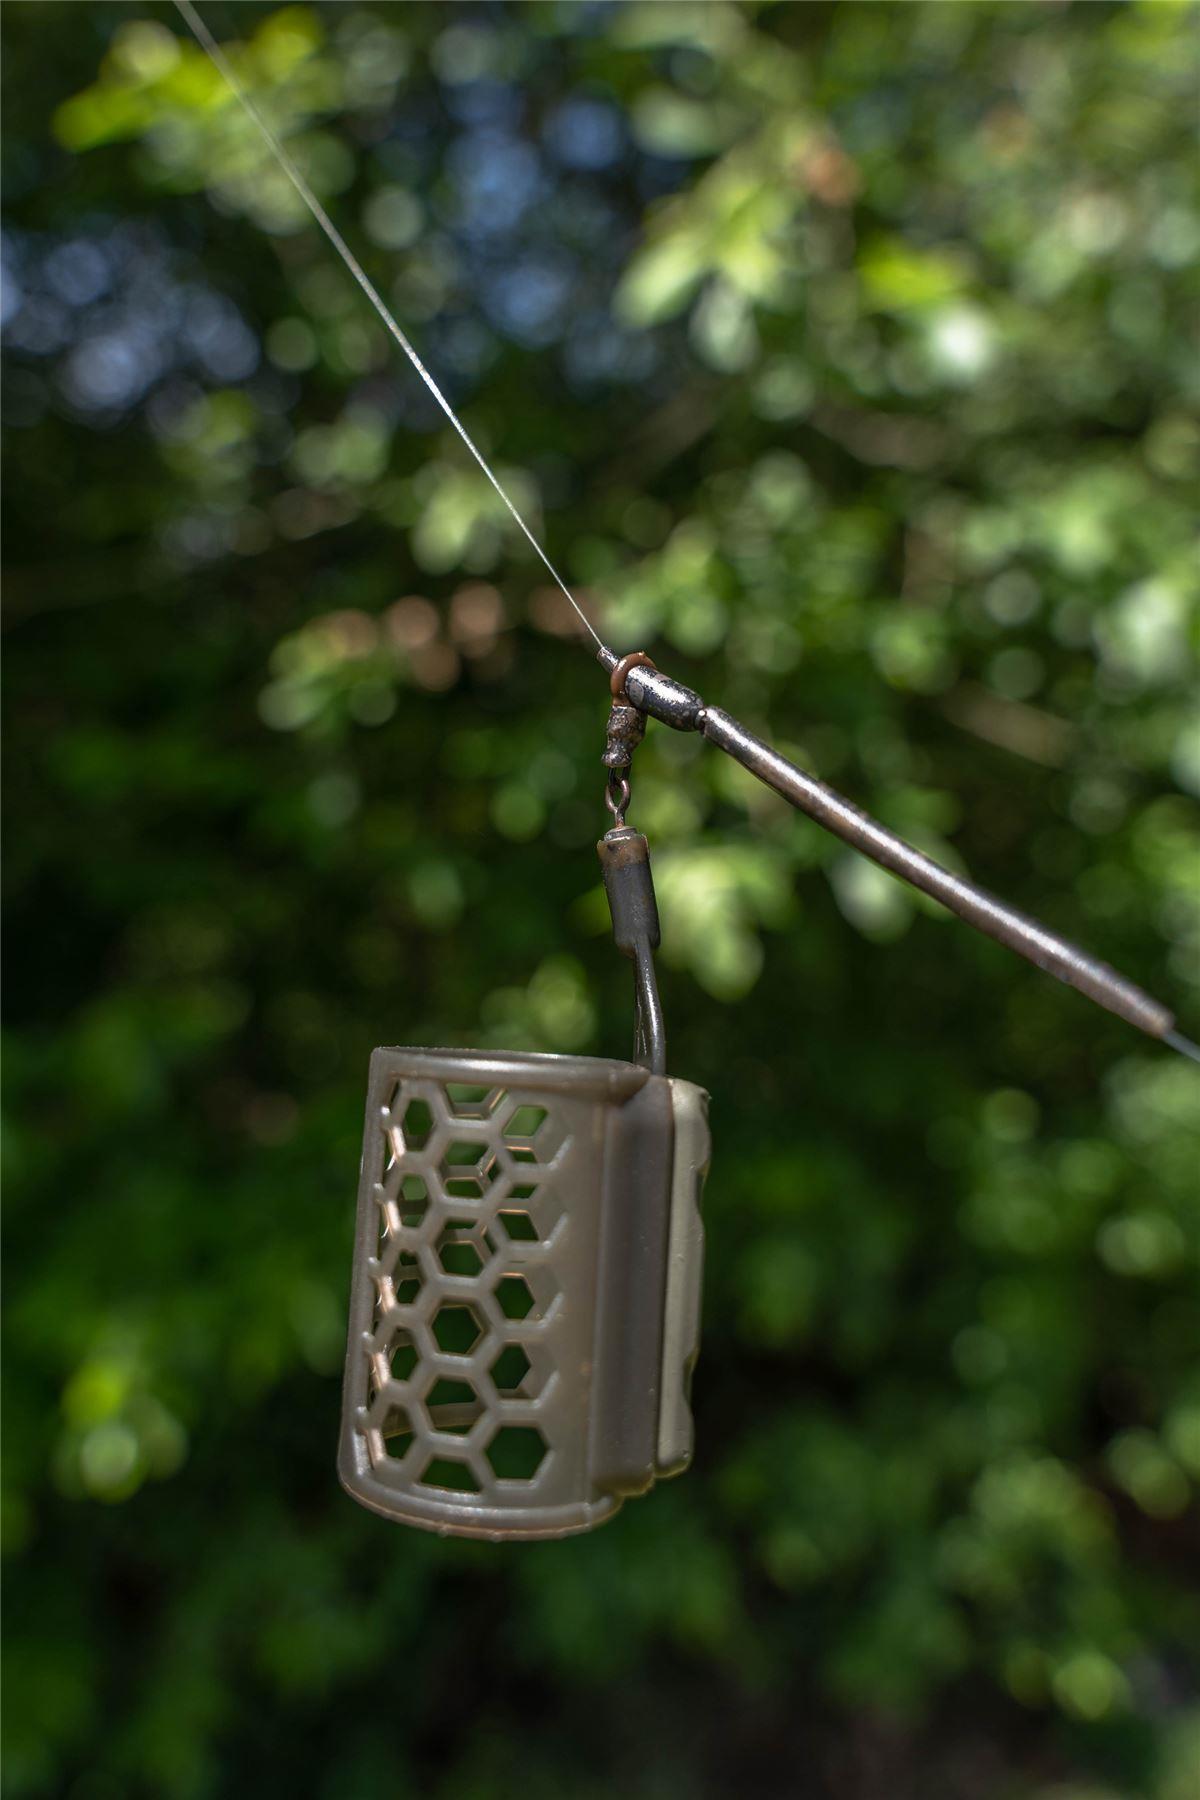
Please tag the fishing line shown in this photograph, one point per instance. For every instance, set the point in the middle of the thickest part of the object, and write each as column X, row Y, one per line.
column 447, row 1265
column 639, row 689
column 221, row 63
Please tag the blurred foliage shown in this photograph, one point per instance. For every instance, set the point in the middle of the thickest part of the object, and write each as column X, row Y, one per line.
column 839, row 354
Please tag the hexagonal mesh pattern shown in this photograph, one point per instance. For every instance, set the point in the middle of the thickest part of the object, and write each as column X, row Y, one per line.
column 461, row 1356
column 519, row 1335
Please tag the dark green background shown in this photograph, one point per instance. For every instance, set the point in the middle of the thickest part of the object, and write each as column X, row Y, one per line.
column 840, row 355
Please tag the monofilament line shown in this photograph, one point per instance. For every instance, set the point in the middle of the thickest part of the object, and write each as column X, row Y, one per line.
column 219, row 60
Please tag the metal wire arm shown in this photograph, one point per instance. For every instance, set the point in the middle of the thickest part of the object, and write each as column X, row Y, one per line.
column 680, row 707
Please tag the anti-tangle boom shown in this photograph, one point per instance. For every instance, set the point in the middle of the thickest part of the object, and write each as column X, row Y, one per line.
column 681, row 708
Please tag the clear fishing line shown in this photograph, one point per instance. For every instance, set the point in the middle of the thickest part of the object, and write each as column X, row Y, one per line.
column 447, row 1421
column 221, row 62
column 643, row 690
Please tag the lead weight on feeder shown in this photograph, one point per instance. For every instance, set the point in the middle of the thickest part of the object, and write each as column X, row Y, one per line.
column 525, row 1298
column 625, row 864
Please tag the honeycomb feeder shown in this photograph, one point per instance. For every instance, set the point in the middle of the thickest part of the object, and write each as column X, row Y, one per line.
column 525, row 1302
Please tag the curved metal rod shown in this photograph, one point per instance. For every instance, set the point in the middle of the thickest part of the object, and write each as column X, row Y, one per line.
column 684, row 710
column 1050, row 952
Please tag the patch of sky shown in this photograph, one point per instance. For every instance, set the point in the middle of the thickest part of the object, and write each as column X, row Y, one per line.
column 583, row 133
column 219, row 337
column 111, row 307
column 528, row 301
column 498, row 178
column 597, row 352
column 484, row 103
column 78, row 272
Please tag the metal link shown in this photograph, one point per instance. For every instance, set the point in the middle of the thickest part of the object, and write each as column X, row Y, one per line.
column 616, row 796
